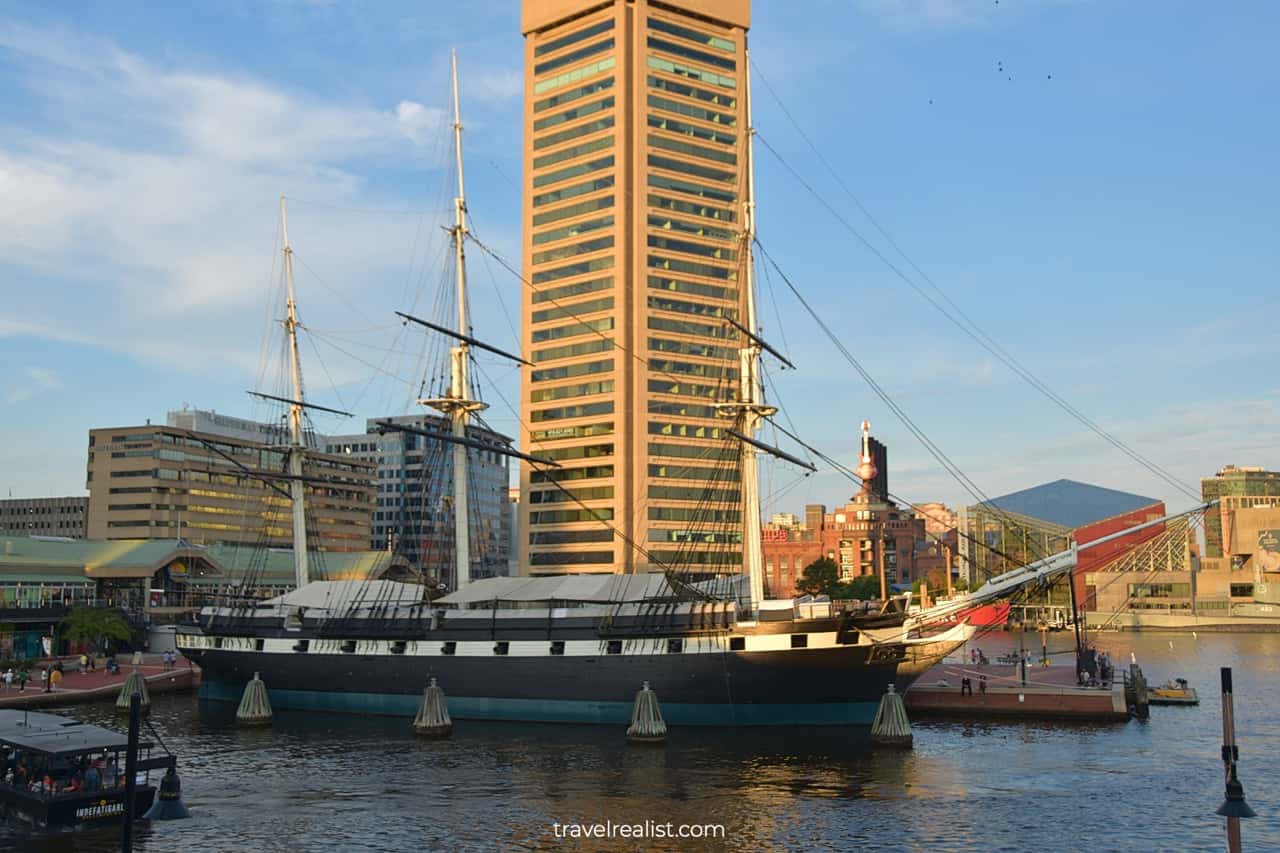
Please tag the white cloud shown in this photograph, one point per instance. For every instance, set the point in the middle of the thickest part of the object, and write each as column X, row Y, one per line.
column 141, row 215
column 28, row 383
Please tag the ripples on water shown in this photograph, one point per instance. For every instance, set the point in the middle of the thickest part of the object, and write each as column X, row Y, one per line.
column 335, row 783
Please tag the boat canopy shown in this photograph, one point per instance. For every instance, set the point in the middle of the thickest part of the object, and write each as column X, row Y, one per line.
column 341, row 595
column 595, row 589
column 58, row 736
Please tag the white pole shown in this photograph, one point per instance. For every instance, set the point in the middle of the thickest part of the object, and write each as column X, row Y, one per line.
column 297, row 489
column 750, row 388
column 458, row 362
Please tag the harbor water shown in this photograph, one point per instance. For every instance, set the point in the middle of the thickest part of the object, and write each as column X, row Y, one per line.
column 335, row 783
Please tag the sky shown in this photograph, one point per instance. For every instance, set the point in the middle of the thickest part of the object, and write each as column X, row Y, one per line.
column 1093, row 184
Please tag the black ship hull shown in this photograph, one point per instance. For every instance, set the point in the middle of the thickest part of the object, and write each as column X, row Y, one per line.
column 840, row 685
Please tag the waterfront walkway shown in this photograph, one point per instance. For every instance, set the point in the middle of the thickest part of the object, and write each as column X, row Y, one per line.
column 98, row 685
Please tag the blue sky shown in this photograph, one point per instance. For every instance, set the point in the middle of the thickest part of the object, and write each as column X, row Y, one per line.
column 1094, row 183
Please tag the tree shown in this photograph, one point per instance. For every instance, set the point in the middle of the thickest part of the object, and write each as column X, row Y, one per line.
column 821, row 577
column 94, row 625
column 863, row 588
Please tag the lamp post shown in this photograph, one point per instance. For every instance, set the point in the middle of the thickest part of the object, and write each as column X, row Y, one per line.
column 1233, row 807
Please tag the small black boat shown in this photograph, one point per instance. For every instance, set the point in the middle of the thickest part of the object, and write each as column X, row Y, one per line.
column 58, row 774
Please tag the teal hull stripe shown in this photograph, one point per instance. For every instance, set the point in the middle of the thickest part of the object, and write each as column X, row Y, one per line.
column 560, row 710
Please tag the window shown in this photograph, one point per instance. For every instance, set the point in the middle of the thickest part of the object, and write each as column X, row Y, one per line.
column 571, row 77
column 583, row 390
column 573, row 190
column 695, row 169
column 302, row 645
column 565, row 432
column 685, row 430
column 699, row 309
column 718, row 98
column 571, row 558
column 799, row 641
column 573, row 95
column 690, row 53
column 737, row 644
column 690, row 493
column 691, row 348
column 663, row 182
column 572, row 171
column 692, row 451
column 675, row 646
column 397, row 647
column 692, row 35
column 577, row 229
column 614, row 647
column 690, row 268
column 561, row 253
column 563, row 495
column 550, row 374
column 582, row 327
column 557, row 647
column 707, row 134
column 572, row 210
column 570, row 290
column 658, row 102
column 679, row 69
column 568, row 516
column 573, row 114
column 1242, row 590
column 573, row 269
column 501, row 647
column 689, row 327
column 572, row 38
column 573, row 132
column 573, row 56
column 688, row 389
column 449, row 647
column 710, row 291
column 572, row 152
column 580, row 411
column 570, row 350
column 568, row 537
column 688, row 472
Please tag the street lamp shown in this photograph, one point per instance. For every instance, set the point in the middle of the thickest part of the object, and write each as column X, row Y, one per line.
column 1233, row 807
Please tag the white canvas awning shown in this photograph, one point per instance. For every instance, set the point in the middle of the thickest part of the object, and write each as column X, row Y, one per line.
column 340, row 595
column 601, row 589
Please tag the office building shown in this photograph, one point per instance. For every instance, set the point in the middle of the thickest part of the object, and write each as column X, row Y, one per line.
column 412, row 514
column 166, row 482
column 43, row 517
column 634, row 164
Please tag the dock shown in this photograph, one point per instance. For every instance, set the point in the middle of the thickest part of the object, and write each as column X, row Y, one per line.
column 98, row 685
column 1050, row 693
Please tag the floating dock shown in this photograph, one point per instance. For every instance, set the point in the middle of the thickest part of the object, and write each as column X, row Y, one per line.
column 979, row 691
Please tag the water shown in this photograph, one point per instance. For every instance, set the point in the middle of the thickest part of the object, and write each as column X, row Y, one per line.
column 334, row 783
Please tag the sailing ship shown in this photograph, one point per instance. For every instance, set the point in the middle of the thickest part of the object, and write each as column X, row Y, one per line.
column 573, row 648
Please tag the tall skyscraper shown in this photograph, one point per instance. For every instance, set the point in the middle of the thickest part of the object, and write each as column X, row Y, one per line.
column 635, row 173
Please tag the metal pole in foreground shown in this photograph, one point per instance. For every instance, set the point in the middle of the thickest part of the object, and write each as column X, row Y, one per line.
column 1233, row 807
column 131, row 771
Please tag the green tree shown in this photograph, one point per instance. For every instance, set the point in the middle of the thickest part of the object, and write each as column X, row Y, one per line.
column 821, row 577
column 863, row 588
column 94, row 625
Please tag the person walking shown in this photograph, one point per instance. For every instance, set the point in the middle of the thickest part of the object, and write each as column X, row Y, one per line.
column 8, row 678
column 55, row 678
column 44, row 679
column 23, row 675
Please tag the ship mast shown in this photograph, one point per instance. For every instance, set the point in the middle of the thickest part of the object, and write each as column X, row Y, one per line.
column 751, row 407
column 457, row 404
column 297, row 442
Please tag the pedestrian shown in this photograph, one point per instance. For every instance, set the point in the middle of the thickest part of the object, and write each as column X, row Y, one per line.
column 84, row 662
column 55, row 678
column 966, row 686
column 8, row 678
column 23, row 675
column 44, row 679
column 982, row 684
column 973, row 656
